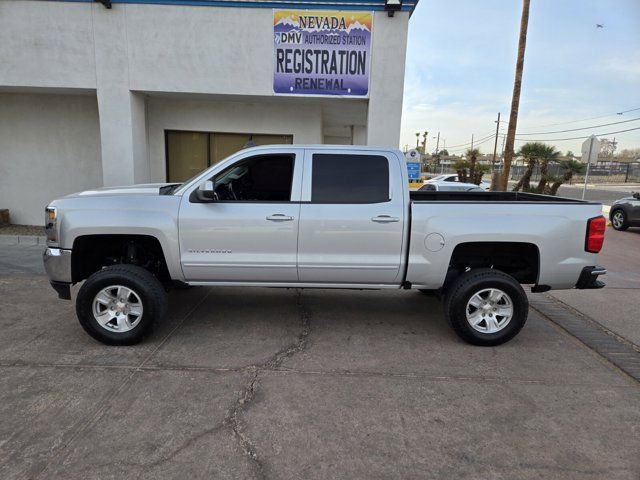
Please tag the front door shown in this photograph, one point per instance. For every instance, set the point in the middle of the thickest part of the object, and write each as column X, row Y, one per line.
column 250, row 232
column 351, row 220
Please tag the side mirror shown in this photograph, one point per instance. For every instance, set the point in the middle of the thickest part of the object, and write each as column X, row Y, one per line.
column 206, row 192
column 636, row 195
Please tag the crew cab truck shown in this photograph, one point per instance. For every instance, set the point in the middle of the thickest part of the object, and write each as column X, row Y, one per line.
column 317, row 217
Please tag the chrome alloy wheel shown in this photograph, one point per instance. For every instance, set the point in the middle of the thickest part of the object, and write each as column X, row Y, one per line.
column 618, row 219
column 489, row 310
column 117, row 308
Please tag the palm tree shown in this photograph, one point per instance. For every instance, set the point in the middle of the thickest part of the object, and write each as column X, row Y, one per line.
column 531, row 152
column 570, row 167
column 515, row 99
column 472, row 158
column 479, row 171
column 461, row 168
column 550, row 154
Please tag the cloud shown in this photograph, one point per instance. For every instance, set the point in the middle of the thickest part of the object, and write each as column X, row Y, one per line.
column 457, row 79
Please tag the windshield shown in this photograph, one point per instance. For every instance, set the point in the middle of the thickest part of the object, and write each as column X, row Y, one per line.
column 234, row 173
column 169, row 189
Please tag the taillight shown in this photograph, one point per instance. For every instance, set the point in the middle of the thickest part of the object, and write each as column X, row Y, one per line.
column 595, row 234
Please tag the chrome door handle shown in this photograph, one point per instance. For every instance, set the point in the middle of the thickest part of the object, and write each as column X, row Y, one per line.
column 279, row 217
column 385, row 219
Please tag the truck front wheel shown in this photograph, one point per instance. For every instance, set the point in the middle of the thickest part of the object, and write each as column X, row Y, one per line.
column 486, row 307
column 119, row 304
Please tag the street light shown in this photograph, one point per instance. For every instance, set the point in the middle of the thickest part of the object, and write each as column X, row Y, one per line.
column 392, row 6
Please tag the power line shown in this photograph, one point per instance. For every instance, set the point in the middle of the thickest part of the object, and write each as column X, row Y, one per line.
column 585, row 119
column 575, row 138
column 582, row 128
column 480, row 142
column 469, row 143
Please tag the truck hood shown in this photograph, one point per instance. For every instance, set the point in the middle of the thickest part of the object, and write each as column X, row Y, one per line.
column 142, row 189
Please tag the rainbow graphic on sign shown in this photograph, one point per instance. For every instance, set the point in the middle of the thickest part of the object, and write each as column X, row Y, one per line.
column 322, row 52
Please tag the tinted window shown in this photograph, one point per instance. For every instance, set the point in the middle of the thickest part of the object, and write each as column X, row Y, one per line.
column 349, row 178
column 452, row 178
column 262, row 178
column 428, row 187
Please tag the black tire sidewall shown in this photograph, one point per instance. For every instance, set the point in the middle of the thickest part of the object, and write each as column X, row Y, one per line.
column 470, row 283
column 145, row 285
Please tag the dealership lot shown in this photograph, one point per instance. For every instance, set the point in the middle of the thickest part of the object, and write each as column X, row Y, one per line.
column 267, row 383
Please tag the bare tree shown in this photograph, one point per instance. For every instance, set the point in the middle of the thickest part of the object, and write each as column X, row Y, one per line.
column 515, row 99
column 630, row 153
column 607, row 148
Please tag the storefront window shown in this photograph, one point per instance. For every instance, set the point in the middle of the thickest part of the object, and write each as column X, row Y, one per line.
column 191, row 152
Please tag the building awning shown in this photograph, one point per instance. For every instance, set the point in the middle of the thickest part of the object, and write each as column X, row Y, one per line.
column 363, row 5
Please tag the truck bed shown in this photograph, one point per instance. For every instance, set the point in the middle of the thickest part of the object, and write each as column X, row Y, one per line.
column 500, row 197
column 554, row 227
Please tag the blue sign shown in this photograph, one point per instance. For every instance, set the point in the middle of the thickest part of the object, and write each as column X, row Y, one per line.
column 413, row 169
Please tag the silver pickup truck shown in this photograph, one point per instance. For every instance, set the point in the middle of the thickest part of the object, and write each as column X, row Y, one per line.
column 317, row 217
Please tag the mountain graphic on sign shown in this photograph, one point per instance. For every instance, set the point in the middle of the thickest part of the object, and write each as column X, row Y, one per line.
column 357, row 26
column 288, row 21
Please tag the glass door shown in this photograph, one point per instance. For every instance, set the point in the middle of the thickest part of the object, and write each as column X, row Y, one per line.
column 188, row 153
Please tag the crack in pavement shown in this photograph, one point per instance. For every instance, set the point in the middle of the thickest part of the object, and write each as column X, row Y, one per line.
column 232, row 418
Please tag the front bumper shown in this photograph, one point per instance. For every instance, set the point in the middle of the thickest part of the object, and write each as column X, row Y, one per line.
column 589, row 278
column 57, row 264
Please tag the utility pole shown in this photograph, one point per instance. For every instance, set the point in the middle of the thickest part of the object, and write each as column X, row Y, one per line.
column 495, row 145
column 515, row 99
column 495, row 176
column 586, row 175
column 438, row 143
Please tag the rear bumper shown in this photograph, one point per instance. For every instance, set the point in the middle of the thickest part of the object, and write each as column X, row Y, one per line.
column 57, row 264
column 589, row 278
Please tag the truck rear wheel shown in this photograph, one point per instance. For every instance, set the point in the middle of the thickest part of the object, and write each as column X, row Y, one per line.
column 118, row 305
column 486, row 307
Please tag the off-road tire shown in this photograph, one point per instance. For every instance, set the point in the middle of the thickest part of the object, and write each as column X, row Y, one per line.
column 146, row 286
column 465, row 286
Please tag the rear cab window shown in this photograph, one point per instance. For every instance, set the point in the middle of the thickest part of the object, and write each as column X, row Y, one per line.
column 349, row 178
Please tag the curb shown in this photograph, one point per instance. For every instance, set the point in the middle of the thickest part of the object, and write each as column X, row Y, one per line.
column 23, row 240
column 610, row 346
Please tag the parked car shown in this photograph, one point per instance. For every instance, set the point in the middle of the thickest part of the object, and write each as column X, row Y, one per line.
column 625, row 212
column 450, row 187
column 453, row 177
column 297, row 216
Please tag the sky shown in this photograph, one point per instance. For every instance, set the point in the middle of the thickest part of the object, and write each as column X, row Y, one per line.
column 461, row 57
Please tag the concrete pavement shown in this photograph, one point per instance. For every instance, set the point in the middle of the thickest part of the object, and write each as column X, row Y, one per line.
column 607, row 194
column 268, row 383
column 617, row 306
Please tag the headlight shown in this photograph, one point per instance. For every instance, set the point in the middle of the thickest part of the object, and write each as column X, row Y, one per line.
column 51, row 223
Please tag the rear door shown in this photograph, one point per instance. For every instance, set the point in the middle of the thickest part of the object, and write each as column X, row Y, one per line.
column 352, row 217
